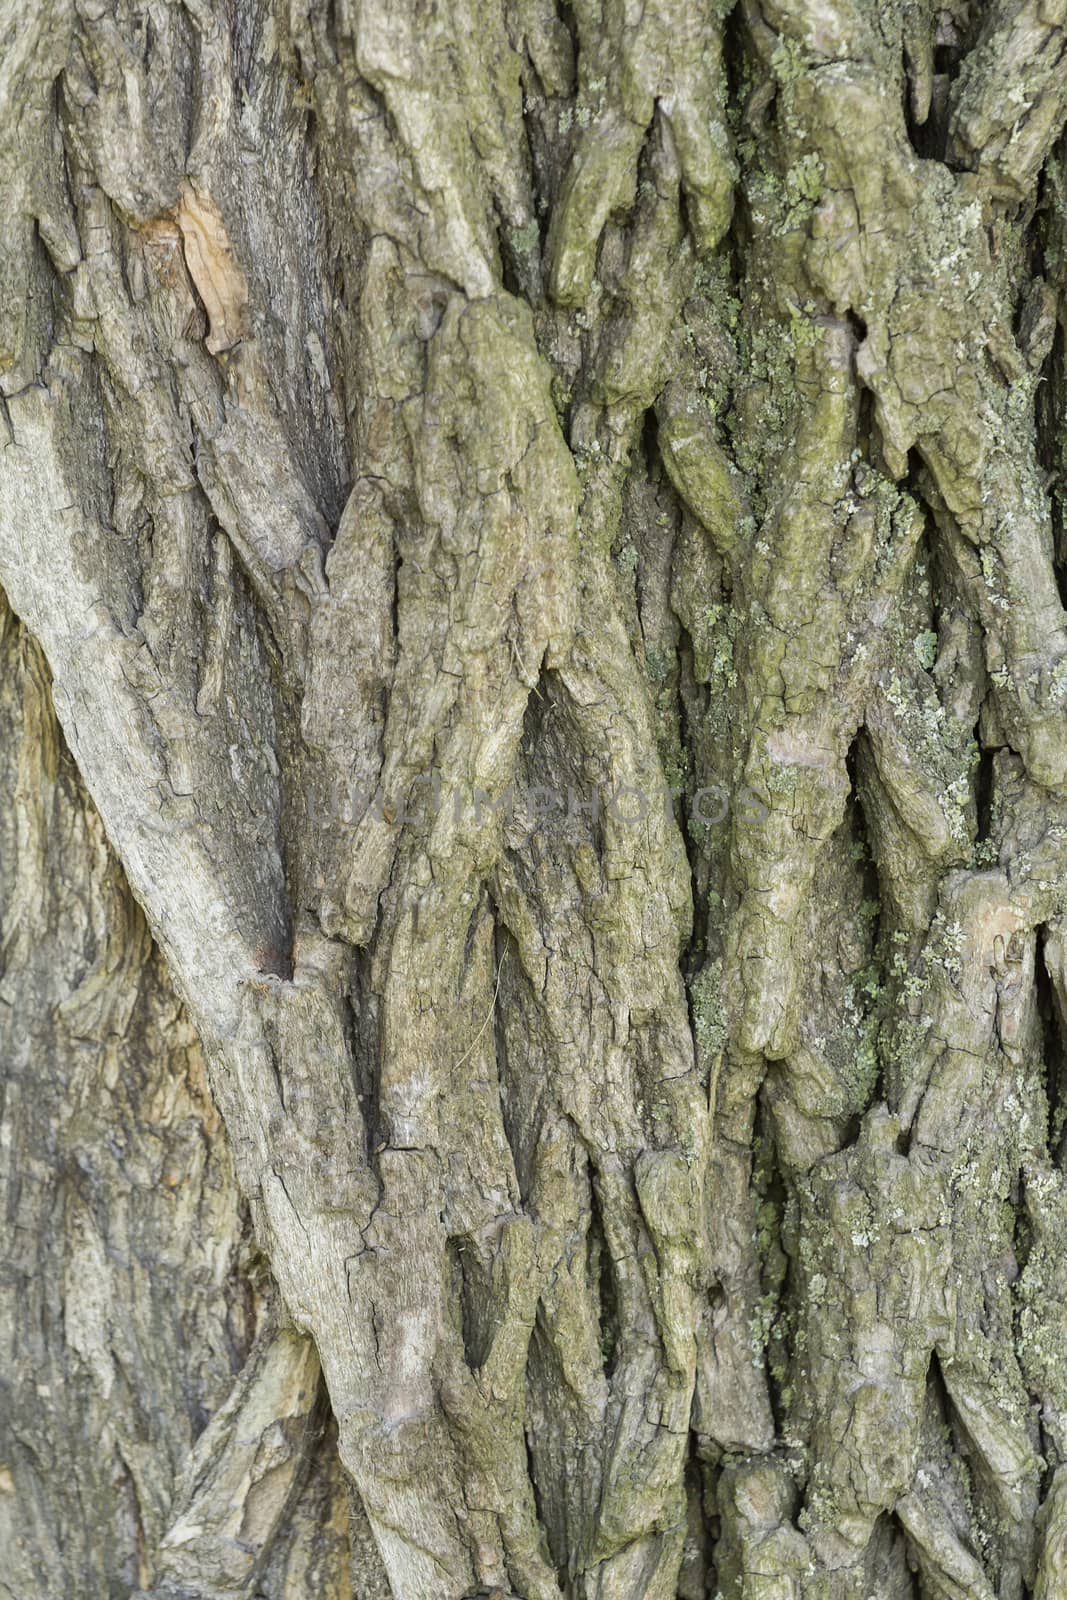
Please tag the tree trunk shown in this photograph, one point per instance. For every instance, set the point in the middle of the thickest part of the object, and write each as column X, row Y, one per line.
column 533, row 843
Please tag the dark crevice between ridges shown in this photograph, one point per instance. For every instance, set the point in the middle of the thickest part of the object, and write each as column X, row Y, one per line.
column 507, row 977
column 936, row 1392
column 984, row 785
column 509, row 264
column 869, row 442
column 471, row 1297
column 959, row 1441
column 362, row 1037
column 737, row 59
column 470, row 1259
column 698, row 1576
column 856, row 820
column 329, row 28
column 520, row 262
column 930, row 550
column 544, row 1375
column 1050, row 407
column 273, row 954
column 858, row 328
column 473, row 924
column 1045, row 242
column 600, row 1271
column 317, row 1425
column 539, row 1511
column 683, row 681
column 988, row 1505
column 851, row 1131
column 771, row 1197
column 394, row 642
column 929, row 138
column 695, row 951
column 1053, row 1052
column 890, row 1536
column 567, row 18
column 647, row 449
column 547, row 156
column 1023, row 1243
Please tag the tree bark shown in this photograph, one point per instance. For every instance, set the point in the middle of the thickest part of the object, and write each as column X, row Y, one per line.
column 533, row 854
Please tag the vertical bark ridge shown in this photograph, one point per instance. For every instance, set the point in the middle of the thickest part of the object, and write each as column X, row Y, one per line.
column 134, row 1304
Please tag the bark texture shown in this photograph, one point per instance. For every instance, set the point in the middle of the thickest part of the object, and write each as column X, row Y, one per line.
column 533, row 849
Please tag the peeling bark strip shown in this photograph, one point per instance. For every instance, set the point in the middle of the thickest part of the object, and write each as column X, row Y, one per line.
column 491, row 401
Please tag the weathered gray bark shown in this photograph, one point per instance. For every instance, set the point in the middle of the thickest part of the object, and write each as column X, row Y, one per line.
column 435, row 1161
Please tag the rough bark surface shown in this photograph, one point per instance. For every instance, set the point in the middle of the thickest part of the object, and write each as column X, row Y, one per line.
column 533, row 839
